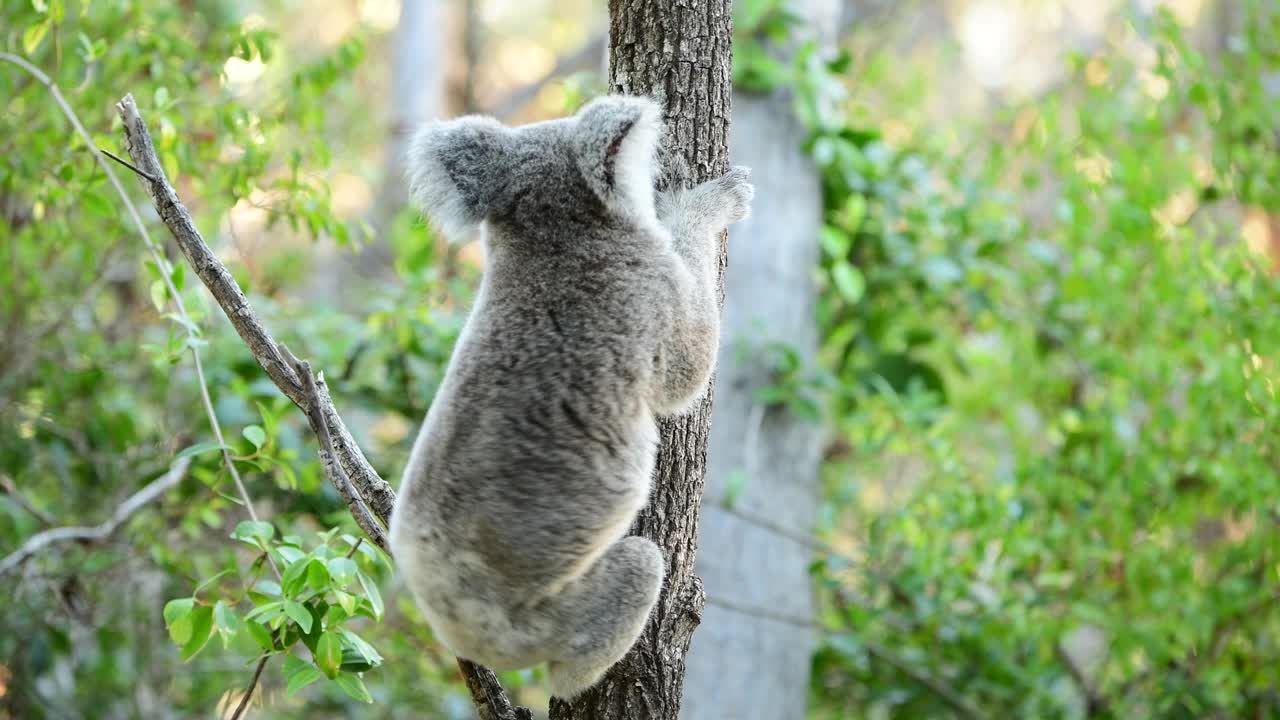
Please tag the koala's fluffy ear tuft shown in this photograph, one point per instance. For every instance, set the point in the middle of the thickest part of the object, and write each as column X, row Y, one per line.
column 455, row 171
column 617, row 146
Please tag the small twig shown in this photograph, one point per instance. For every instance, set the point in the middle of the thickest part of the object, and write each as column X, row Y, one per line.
column 24, row 502
column 98, row 533
column 127, row 164
column 328, row 456
column 253, row 685
column 767, row 614
column 352, row 552
column 721, row 504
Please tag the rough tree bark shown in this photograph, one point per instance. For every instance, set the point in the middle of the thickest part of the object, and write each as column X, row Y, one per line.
column 750, row 659
column 678, row 52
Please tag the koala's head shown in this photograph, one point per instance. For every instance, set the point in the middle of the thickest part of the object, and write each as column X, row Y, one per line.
column 590, row 168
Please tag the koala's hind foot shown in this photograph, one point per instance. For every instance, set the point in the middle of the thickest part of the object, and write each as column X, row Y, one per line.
column 603, row 613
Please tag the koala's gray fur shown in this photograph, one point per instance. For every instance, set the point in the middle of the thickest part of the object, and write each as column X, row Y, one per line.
column 597, row 312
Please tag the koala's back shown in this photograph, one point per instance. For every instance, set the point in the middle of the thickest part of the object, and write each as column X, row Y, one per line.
column 538, row 449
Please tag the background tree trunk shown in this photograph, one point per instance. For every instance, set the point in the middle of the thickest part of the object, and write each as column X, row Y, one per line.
column 750, row 659
column 678, row 52
column 417, row 96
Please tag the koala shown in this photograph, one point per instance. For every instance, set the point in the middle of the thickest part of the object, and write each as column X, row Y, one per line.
column 596, row 313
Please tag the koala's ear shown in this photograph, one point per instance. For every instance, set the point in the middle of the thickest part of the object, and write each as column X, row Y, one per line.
column 617, row 145
column 457, row 171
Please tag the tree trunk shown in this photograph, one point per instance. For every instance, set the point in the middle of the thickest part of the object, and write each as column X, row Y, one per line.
column 677, row 51
column 751, row 657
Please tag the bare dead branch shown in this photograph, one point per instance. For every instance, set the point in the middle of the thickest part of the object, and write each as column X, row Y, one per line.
column 226, row 291
column 328, row 456
column 97, row 533
column 487, row 694
column 347, row 467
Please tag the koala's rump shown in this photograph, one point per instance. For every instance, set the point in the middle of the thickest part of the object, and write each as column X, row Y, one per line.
column 500, row 532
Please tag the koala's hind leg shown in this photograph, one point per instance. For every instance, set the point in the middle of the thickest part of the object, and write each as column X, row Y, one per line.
column 602, row 613
column 695, row 219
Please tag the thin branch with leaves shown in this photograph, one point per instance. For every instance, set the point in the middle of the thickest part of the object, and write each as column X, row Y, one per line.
column 368, row 497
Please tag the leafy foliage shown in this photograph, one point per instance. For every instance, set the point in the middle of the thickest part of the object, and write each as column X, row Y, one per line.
column 1076, row 405
column 97, row 393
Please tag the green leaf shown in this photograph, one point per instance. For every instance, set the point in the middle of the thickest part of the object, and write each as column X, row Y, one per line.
column 357, row 654
column 835, row 242
column 343, row 570
column 226, row 620
column 849, row 281
column 354, row 687
column 178, row 608
column 201, row 630
column 329, row 653
column 266, row 612
column 346, row 601
column 260, row 635
column 290, row 554
column 180, row 630
column 255, row 435
column 299, row 614
column 256, row 533
column 32, row 36
column 179, row 276
column 211, row 580
column 299, row 673
column 159, row 295
column 317, row 574
column 734, row 485
column 294, row 576
column 372, row 594
column 97, row 204
column 840, row 63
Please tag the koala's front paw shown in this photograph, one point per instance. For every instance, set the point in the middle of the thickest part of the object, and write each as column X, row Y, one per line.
column 735, row 191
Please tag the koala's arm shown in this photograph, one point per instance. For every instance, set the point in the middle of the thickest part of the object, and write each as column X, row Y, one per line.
column 695, row 218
